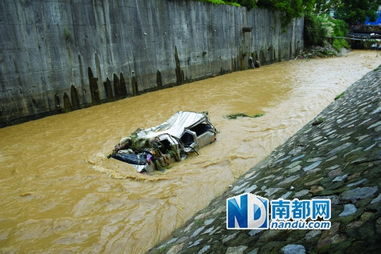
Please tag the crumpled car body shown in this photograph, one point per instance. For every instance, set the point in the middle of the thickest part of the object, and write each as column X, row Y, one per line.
column 157, row 147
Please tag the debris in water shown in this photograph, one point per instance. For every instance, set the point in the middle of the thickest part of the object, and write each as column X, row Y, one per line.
column 157, row 147
column 237, row 115
column 26, row 194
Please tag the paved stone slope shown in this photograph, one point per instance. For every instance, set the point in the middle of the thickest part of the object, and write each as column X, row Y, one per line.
column 336, row 156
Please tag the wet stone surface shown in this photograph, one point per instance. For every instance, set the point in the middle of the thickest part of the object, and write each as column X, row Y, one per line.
column 338, row 158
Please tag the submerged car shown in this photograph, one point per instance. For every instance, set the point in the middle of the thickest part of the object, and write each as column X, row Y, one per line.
column 157, row 147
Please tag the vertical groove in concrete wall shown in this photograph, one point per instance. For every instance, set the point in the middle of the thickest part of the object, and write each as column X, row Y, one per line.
column 62, row 55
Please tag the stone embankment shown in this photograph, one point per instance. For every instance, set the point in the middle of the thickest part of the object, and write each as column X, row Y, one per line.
column 336, row 156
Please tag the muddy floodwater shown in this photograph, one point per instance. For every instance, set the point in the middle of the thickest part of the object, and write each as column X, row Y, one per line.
column 58, row 191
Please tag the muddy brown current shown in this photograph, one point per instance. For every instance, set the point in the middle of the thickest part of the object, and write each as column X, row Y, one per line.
column 59, row 192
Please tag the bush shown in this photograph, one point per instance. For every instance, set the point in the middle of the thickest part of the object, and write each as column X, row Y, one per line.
column 247, row 3
column 340, row 28
column 319, row 28
column 313, row 31
column 234, row 3
column 216, row 1
column 339, row 44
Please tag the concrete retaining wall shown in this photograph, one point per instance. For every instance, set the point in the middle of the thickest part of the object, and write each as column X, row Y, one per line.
column 60, row 55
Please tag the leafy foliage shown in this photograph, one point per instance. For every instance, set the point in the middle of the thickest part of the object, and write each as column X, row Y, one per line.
column 247, row 3
column 318, row 28
column 324, row 6
column 351, row 11
column 289, row 8
column 314, row 32
column 340, row 29
column 234, row 3
column 318, row 25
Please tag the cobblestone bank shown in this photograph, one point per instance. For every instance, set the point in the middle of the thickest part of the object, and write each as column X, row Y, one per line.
column 337, row 156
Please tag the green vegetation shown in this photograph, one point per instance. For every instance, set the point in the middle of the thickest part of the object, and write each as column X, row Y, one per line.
column 320, row 28
column 289, row 8
column 234, row 3
column 237, row 115
column 246, row 3
column 339, row 96
column 351, row 11
column 318, row 121
column 67, row 34
column 340, row 29
column 315, row 31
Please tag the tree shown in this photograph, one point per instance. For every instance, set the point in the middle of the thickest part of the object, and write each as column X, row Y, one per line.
column 351, row 11
column 325, row 6
column 290, row 8
column 247, row 3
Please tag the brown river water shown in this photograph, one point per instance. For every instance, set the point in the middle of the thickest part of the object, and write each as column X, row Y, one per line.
column 59, row 193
